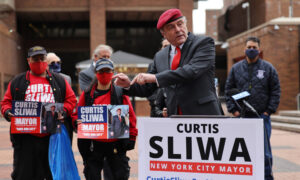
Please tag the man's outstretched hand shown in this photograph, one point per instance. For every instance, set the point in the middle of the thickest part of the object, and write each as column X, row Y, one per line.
column 143, row 78
column 122, row 80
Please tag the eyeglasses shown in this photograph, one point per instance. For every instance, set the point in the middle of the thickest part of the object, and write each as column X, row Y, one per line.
column 53, row 62
column 104, row 71
column 37, row 58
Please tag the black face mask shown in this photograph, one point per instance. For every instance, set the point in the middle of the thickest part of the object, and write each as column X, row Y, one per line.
column 252, row 53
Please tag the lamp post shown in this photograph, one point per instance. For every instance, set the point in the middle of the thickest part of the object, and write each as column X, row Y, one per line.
column 244, row 6
column 291, row 9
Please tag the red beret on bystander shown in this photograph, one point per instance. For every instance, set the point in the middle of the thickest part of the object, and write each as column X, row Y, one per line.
column 168, row 16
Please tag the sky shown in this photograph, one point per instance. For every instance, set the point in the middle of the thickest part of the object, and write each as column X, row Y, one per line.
column 199, row 14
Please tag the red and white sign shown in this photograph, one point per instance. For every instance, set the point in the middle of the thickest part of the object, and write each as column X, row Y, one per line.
column 201, row 148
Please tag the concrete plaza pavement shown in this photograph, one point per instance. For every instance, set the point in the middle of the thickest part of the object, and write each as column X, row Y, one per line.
column 285, row 147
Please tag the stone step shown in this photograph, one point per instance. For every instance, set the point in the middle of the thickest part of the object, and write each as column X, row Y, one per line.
column 286, row 127
column 285, row 119
column 290, row 113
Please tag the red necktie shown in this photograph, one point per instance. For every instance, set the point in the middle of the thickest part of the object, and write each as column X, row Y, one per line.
column 176, row 59
column 175, row 64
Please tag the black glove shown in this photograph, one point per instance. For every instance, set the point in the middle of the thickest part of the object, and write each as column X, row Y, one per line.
column 6, row 116
column 126, row 144
column 75, row 126
column 130, row 145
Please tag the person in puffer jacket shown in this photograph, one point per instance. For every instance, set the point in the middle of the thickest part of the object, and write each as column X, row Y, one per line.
column 260, row 79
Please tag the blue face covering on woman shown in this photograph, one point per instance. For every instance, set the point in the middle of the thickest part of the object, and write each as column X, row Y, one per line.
column 55, row 67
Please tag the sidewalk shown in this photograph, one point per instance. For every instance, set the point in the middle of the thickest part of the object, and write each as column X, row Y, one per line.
column 285, row 146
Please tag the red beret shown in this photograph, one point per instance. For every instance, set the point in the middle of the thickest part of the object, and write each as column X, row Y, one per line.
column 168, row 16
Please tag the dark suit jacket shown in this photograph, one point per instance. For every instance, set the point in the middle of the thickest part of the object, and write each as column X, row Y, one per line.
column 117, row 126
column 191, row 85
column 67, row 77
column 85, row 77
column 51, row 121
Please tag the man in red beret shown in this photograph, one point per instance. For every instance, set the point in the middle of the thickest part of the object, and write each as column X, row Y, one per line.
column 186, row 69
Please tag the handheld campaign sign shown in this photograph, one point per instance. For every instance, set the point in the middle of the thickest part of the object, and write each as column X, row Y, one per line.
column 35, row 117
column 201, row 148
column 103, row 122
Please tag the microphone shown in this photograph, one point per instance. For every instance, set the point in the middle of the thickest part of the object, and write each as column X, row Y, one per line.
column 238, row 96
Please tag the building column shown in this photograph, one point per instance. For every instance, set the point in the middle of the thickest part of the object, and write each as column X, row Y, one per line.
column 185, row 6
column 97, row 23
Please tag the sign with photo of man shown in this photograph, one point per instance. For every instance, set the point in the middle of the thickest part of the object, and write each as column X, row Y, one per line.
column 119, row 124
column 103, row 122
column 51, row 113
column 35, row 117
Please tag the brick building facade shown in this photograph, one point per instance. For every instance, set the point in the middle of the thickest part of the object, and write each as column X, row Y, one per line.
column 212, row 22
column 279, row 40
column 280, row 44
column 73, row 28
column 234, row 20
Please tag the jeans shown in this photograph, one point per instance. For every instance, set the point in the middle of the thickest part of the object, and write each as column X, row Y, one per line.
column 267, row 147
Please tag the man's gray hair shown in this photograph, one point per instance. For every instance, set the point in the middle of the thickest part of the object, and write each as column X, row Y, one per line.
column 102, row 47
column 52, row 56
column 184, row 20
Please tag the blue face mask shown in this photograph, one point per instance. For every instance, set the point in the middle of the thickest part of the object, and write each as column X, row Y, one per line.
column 55, row 67
column 252, row 53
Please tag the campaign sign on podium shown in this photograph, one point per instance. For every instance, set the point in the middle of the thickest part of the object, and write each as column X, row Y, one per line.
column 201, row 148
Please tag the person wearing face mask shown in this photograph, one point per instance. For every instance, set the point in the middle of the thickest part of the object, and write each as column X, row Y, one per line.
column 37, row 84
column 54, row 65
column 103, row 92
column 260, row 79
column 86, row 76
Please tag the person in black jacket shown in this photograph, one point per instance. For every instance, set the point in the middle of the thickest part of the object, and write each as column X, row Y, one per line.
column 260, row 79
column 39, row 85
column 157, row 100
column 94, row 151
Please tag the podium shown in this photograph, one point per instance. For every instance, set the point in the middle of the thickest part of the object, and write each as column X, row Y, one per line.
column 201, row 147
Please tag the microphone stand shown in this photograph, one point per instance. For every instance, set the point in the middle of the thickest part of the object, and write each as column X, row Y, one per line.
column 245, row 103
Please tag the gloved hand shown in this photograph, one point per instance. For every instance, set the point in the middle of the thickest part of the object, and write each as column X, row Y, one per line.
column 75, row 128
column 76, row 123
column 127, row 144
column 8, row 114
column 130, row 145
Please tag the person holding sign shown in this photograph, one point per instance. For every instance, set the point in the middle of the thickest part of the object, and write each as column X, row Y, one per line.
column 103, row 92
column 39, row 85
column 186, row 70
